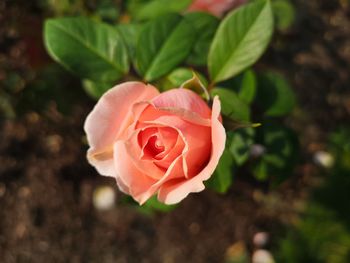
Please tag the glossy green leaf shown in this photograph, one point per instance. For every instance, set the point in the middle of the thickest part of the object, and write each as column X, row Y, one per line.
column 231, row 105
column 284, row 13
column 242, row 139
column 196, row 85
column 180, row 75
column 95, row 89
column 205, row 26
column 162, row 45
column 275, row 96
column 177, row 77
column 241, row 39
column 129, row 34
column 89, row 49
column 155, row 8
column 222, row 178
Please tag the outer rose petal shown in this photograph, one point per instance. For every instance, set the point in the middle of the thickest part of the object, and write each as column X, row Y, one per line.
column 182, row 99
column 133, row 180
column 174, row 191
column 108, row 120
column 152, row 112
column 140, row 186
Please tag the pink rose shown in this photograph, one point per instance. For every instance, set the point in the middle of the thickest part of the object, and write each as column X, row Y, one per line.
column 166, row 143
column 215, row 7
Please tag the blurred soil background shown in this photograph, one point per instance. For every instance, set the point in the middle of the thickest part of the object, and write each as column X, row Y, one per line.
column 47, row 213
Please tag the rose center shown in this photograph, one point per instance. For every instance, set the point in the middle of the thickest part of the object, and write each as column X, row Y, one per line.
column 154, row 146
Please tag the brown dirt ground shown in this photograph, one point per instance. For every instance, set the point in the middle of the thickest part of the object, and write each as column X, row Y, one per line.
column 46, row 185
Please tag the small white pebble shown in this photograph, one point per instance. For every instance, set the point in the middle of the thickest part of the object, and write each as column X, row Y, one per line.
column 256, row 150
column 262, row 256
column 104, row 198
column 324, row 159
column 261, row 239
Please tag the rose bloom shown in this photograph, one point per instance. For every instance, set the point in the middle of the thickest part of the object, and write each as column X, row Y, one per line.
column 215, row 7
column 150, row 142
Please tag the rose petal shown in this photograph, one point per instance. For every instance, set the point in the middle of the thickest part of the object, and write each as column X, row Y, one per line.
column 164, row 160
column 173, row 191
column 196, row 137
column 151, row 112
column 140, row 186
column 132, row 178
column 183, row 99
column 165, row 138
column 143, row 137
column 109, row 119
column 121, row 185
column 135, row 154
column 175, row 170
column 169, row 137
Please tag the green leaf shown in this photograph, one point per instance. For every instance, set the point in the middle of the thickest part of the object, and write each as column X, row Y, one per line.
column 156, row 8
column 129, row 34
column 231, row 105
column 245, row 86
column 177, row 77
column 149, row 208
column 261, row 171
column 275, row 95
column 152, row 205
column 241, row 39
column 95, row 89
column 162, row 45
column 205, row 26
column 107, row 10
column 248, row 87
column 240, row 144
column 195, row 84
column 180, row 75
column 279, row 142
column 89, row 49
column 281, row 145
column 222, row 178
column 284, row 13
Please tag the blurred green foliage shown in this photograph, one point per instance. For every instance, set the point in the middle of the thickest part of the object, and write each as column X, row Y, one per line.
column 284, row 13
column 223, row 175
column 143, row 10
column 280, row 155
column 322, row 235
column 47, row 88
column 276, row 98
